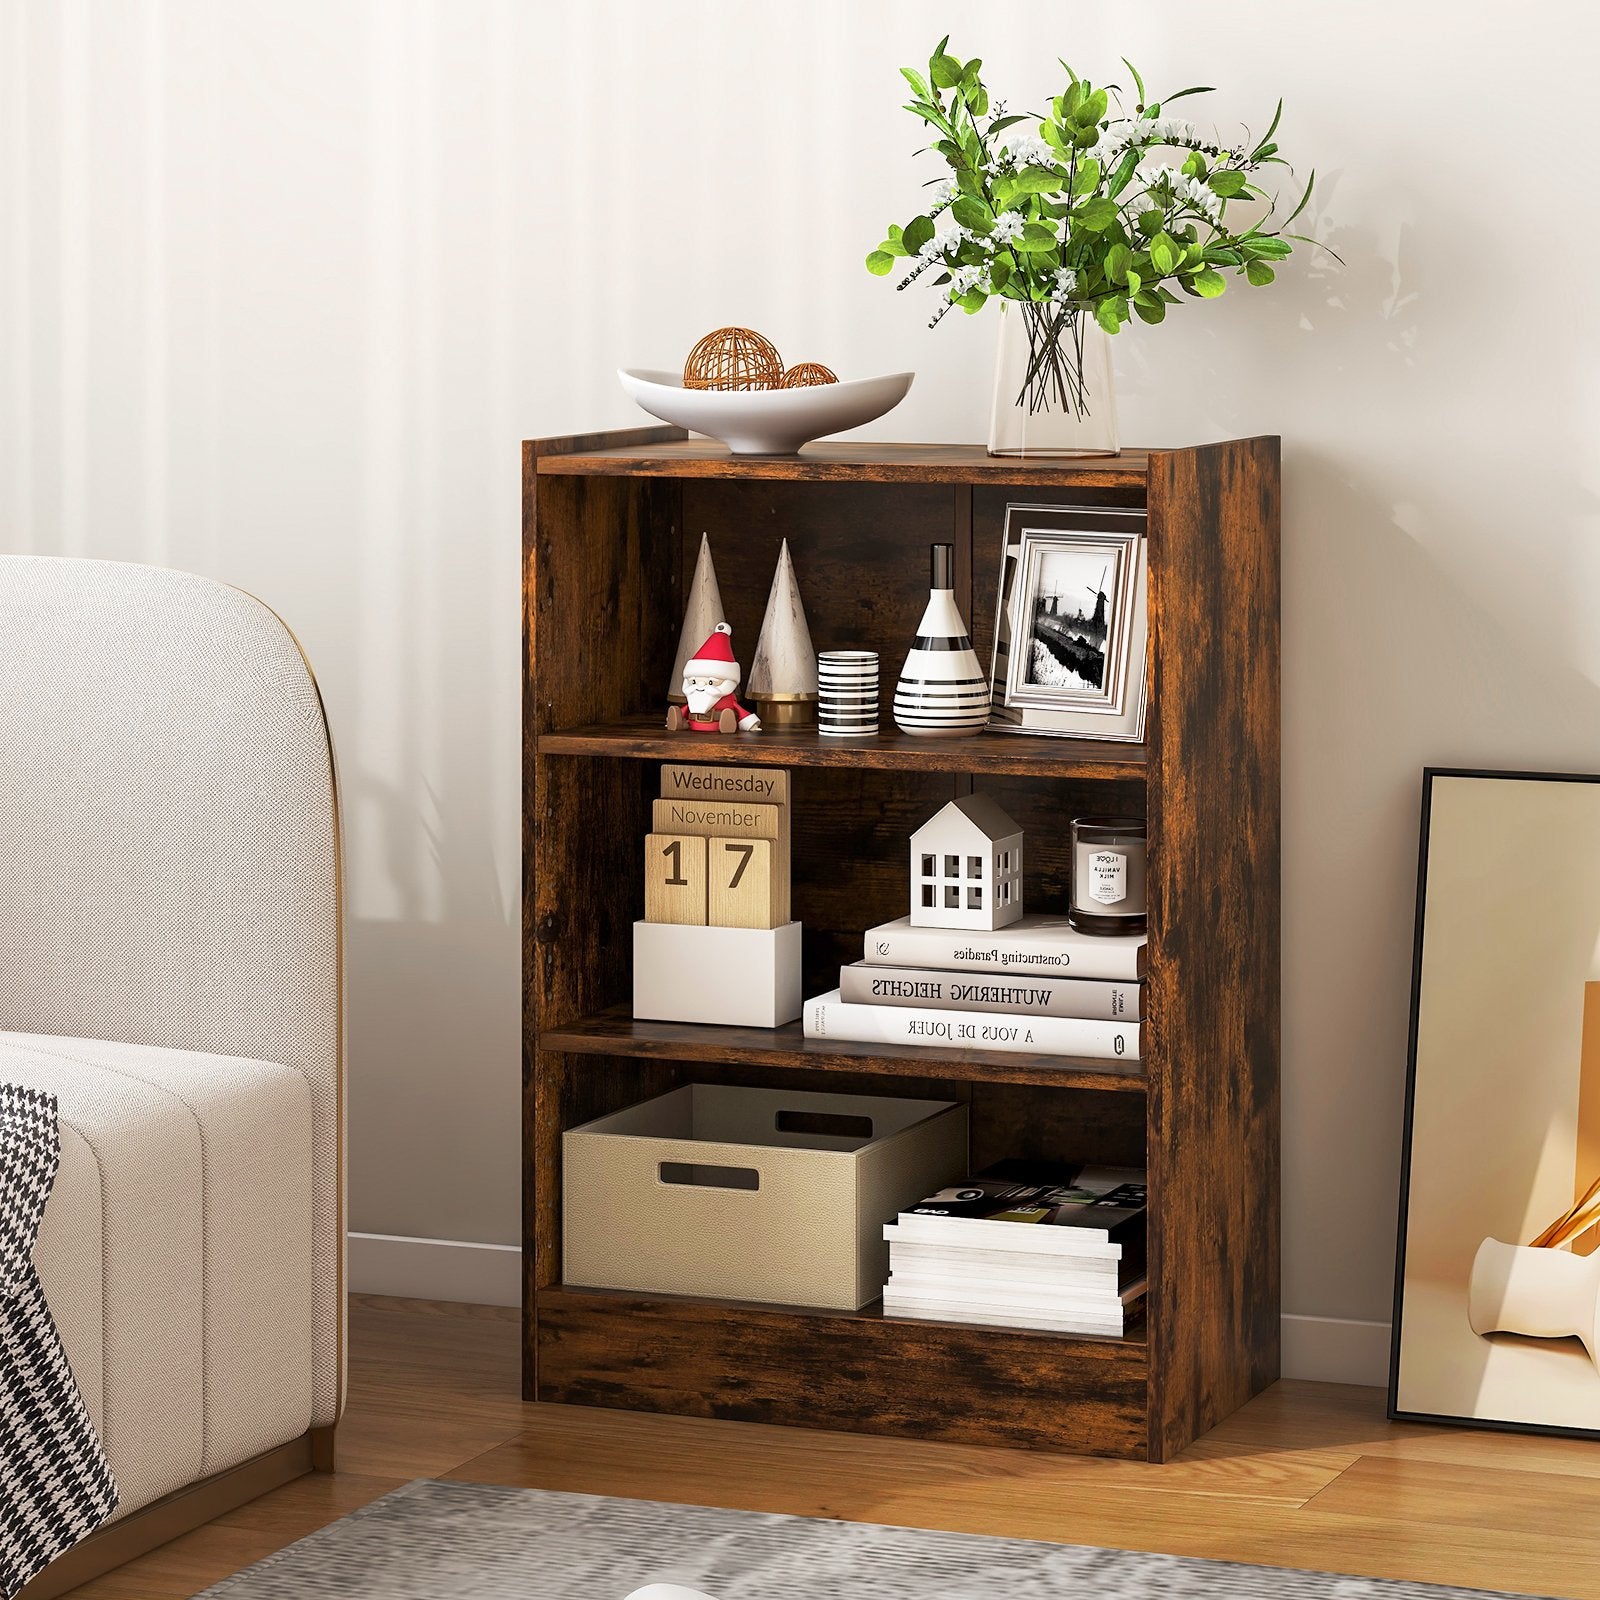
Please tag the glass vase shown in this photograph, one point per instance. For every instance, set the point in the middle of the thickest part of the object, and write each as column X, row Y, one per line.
column 1054, row 394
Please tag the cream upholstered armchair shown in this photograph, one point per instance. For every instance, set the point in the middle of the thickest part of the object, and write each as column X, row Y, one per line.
column 170, row 969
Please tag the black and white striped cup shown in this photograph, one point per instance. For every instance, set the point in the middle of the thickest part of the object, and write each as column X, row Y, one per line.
column 847, row 693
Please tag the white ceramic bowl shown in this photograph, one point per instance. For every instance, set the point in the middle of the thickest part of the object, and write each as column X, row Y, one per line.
column 766, row 422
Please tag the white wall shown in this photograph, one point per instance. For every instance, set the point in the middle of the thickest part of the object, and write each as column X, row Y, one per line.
column 283, row 284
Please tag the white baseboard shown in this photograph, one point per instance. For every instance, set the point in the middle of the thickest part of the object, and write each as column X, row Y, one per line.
column 435, row 1269
column 1327, row 1349
column 1334, row 1350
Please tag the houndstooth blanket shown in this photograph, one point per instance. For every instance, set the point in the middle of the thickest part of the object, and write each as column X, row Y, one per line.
column 55, row 1483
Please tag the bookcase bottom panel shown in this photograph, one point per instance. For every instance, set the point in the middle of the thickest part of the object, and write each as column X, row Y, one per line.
column 859, row 1372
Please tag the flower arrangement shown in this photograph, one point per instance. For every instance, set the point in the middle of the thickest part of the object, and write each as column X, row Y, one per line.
column 1065, row 214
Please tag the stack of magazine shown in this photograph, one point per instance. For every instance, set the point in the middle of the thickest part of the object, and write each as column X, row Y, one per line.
column 1037, row 985
column 1024, row 1245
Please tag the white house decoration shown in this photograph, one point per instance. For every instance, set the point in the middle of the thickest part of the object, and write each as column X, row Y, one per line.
column 966, row 867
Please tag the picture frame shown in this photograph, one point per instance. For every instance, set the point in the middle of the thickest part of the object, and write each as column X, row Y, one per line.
column 1072, row 624
column 1497, row 1271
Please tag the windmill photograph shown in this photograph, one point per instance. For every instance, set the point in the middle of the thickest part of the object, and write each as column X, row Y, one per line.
column 1071, row 624
column 1071, row 612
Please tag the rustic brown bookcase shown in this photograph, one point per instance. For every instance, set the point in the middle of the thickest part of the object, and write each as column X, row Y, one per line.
column 611, row 524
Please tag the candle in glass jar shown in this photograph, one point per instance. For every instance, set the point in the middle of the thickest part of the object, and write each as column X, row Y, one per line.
column 1108, row 875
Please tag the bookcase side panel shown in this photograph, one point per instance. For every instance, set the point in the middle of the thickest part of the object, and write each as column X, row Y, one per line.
column 599, row 596
column 1214, row 799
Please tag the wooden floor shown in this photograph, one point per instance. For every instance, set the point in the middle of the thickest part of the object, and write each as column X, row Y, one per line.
column 1309, row 1475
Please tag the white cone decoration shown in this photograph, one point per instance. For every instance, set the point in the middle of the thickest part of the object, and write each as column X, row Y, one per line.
column 943, row 693
column 784, row 671
column 700, row 616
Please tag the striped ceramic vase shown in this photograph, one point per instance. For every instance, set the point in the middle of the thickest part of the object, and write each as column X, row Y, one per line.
column 942, row 692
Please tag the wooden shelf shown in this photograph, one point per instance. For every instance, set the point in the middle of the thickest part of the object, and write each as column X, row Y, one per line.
column 793, row 1364
column 851, row 463
column 616, row 1033
column 643, row 738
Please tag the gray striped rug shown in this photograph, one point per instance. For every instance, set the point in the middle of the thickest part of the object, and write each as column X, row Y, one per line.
column 443, row 1541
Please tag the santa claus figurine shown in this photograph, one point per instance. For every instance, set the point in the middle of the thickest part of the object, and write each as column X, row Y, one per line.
column 710, row 676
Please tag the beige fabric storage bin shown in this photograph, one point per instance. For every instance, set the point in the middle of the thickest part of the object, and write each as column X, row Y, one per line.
column 751, row 1194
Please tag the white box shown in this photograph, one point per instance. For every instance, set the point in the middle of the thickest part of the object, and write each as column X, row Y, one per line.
column 742, row 977
column 777, row 1195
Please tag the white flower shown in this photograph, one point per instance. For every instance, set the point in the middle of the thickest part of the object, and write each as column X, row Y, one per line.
column 1066, row 282
column 944, row 190
column 966, row 278
column 1007, row 226
column 932, row 251
column 1028, row 150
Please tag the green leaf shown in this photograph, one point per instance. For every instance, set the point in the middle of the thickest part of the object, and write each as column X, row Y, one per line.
column 1201, row 89
column 1125, row 169
column 918, row 232
column 1149, row 223
column 1091, row 109
column 1087, row 176
column 918, row 83
column 1304, row 198
column 972, row 213
column 999, row 273
column 1228, row 184
column 1259, row 273
column 1118, row 259
column 1135, row 282
column 945, row 71
column 1266, row 147
column 880, row 263
column 1035, row 236
column 1164, row 253
column 1005, row 122
column 1070, row 101
column 1039, row 180
column 973, row 300
column 1138, row 82
column 1105, row 313
column 1096, row 215
column 1150, row 313
column 1209, row 284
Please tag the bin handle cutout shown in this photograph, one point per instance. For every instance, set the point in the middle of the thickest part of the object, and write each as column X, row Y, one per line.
column 697, row 1174
column 835, row 1124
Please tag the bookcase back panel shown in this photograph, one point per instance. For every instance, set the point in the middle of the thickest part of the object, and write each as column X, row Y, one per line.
column 860, row 553
column 850, row 854
column 1044, row 808
column 1032, row 1122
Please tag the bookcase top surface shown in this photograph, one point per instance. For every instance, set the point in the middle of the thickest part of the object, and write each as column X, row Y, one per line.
column 842, row 463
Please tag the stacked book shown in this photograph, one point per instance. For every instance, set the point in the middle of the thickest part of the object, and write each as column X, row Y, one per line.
column 1036, row 985
column 1024, row 1246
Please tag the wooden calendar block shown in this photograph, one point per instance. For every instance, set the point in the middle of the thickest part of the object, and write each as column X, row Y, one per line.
column 675, row 878
column 742, row 892
column 734, row 819
column 763, row 785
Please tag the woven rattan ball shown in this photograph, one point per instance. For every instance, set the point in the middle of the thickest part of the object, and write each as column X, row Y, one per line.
column 807, row 374
column 733, row 358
